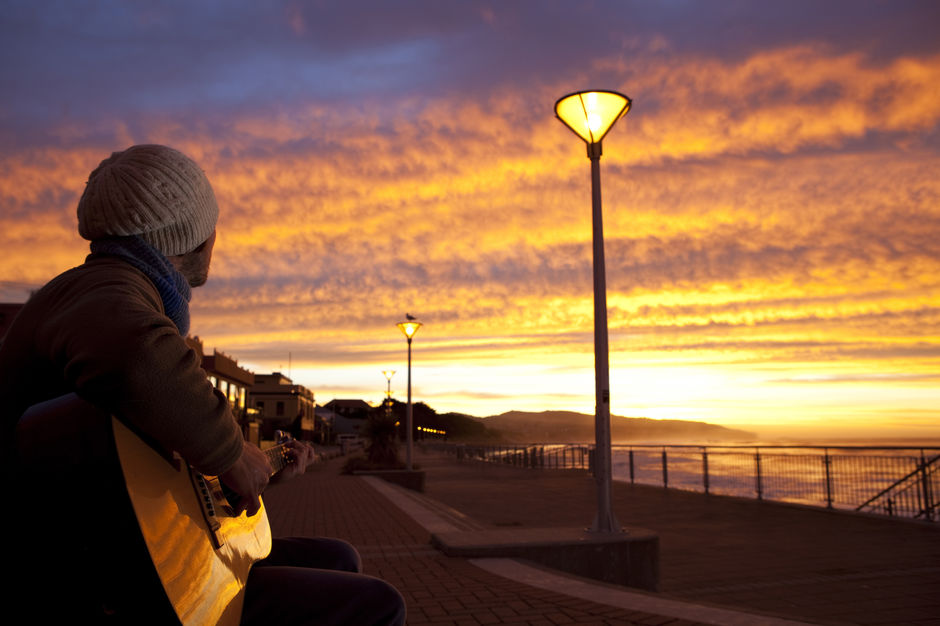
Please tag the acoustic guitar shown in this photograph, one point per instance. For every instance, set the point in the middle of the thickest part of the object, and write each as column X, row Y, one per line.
column 201, row 551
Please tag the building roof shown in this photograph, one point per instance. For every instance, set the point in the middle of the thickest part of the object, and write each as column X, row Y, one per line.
column 227, row 367
column 348, row 404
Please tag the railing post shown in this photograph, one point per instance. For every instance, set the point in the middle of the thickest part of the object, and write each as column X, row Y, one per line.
column 760, row 481
column 631, row 466
column 925, row 487
column 827, row 462
column 665, row 470
column 705, row 468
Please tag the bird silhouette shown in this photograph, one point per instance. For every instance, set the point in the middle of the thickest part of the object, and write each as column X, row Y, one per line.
column 410, row 317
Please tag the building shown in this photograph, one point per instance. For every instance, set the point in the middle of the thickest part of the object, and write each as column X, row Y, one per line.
column 350, row 416
column 232, row 380
column 282, row 405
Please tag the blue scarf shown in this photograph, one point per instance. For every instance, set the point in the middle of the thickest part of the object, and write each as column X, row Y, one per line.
column 173, row 288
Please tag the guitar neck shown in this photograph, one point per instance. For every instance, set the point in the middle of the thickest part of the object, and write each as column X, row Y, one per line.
column 278, row 458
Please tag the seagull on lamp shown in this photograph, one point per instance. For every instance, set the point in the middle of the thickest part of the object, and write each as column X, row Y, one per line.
column 410, row 317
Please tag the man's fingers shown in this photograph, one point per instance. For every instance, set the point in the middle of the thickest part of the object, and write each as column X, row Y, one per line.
column 249, row 505
column 253, row 506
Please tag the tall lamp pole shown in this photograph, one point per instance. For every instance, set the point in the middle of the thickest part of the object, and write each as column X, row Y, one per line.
column 590, row 114
column 388, row 391
column 409, row 329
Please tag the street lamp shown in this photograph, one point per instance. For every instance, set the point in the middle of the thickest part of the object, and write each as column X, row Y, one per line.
column 388, row 392
column 409, row 329
column 591, row 114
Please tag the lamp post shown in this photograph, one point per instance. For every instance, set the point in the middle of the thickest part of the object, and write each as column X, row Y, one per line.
column 409, row 329
column 591, row 114
column 388, row 391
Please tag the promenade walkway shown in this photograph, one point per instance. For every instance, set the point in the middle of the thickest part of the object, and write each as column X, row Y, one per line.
column 723, row 560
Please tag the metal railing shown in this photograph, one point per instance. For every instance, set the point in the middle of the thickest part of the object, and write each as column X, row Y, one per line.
column 912, row 492
column 894, row 481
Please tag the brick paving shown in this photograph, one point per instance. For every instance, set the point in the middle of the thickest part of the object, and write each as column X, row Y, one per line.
column 804, row 564
column 438, row 590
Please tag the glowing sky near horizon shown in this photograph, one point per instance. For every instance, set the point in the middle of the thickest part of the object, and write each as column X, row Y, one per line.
column 771, row 201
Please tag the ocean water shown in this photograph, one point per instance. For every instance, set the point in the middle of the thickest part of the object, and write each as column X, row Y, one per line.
column 900, row 480
column 894, row 480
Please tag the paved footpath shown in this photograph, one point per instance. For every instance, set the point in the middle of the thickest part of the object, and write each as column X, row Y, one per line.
column 723, row 560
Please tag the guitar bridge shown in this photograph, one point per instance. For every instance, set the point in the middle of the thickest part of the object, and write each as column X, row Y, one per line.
column 207, row 494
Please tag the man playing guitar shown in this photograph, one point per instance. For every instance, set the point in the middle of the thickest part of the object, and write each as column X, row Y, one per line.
column 111, row 332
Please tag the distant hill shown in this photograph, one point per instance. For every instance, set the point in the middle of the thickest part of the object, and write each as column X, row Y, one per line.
column 563, row 427
column 568, row 426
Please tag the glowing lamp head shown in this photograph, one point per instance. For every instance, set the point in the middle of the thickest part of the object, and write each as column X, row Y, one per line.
column 409, row 328
column 590, row 114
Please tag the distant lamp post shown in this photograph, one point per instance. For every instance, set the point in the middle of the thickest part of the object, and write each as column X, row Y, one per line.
column 409, row 329
column 388, row 391
column 590, row 114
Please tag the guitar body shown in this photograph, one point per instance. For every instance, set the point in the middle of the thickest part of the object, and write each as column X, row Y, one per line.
column 201, row 552
column 101, row 501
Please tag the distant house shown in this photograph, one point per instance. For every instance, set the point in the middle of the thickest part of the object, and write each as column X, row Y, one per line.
column 349, row 415
column 283, row 405
column 355, row 409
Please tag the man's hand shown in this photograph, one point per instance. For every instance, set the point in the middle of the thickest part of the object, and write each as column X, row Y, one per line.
column 248, row 478
column 300, row 455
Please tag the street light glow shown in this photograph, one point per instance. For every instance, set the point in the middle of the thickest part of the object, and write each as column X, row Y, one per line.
column 591, row 114
column 409, row 328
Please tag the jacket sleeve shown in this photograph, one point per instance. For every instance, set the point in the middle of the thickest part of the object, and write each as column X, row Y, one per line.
column 125, row 355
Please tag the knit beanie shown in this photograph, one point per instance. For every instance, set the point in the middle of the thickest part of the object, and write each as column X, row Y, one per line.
column 152, row 191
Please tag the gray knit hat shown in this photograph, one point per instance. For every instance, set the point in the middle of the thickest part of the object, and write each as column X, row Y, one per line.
column 153, row 191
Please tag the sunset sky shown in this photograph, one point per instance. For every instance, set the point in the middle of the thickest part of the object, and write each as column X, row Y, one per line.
column 771, row 202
